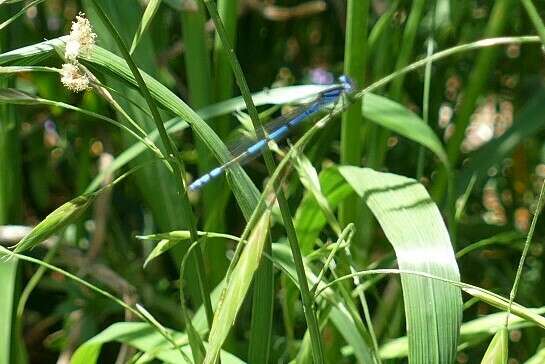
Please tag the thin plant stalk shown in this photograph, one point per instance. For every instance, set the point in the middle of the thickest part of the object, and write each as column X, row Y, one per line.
column 529, row 237
column 535, row 18
column 177, row 165
column 312, row 321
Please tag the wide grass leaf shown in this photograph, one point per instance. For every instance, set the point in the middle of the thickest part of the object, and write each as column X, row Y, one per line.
column 243, row 188
column 235, row 292
column 143, row 337
column 471, row 333
column 413, row 225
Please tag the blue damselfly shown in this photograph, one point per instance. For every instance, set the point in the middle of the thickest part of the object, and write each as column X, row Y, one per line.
column 277, row 129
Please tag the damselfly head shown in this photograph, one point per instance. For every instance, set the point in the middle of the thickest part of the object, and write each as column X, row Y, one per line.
column 347, row 83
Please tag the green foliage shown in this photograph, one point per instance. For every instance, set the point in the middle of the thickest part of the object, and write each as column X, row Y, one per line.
column 348, row 244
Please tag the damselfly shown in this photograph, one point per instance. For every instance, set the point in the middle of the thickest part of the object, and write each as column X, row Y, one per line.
column 277, row 129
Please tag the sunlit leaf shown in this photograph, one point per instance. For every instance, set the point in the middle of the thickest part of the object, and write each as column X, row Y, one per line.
column 415, row 228
column 497, row 352
column 237, row 287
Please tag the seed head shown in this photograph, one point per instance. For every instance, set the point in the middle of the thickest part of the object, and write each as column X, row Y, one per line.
column 80, row 40
column 73, row 78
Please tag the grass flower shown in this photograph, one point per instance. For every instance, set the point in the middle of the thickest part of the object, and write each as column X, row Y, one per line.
column 80, row 40
column 73, row 78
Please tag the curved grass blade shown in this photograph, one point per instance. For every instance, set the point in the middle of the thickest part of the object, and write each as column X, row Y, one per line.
column 148, row 16
column 243, row 188
column 414, row 226
column 497, row 352
column 171, row 239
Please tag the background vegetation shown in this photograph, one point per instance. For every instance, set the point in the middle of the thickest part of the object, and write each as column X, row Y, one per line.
column 431, row 170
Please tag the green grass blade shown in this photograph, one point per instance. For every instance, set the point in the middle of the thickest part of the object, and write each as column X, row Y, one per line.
column 535, row 18
column 19, row 13
column 497, row 352
column 414, row 226
column 172, row 239
column 63, row 216
column 484, row 64
column 355, row 62
column 339, row 313
column 8, row 277
column 262, row 312
column 403, row 58
column 309, row 218
column 312, row 322
column 524, row 255
column 537, row 358
column 471, row 333
column 147, row 18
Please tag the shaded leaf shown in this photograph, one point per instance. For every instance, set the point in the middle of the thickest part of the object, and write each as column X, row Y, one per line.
column 8, row 277
column 394, row 116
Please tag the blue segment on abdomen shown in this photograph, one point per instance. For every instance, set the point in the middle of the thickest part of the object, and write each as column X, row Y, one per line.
column 257, row 147
column 216, row 171
column 311, row 110
column 279, row 133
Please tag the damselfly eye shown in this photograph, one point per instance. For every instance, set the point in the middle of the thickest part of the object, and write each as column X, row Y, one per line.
column 347, row 83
